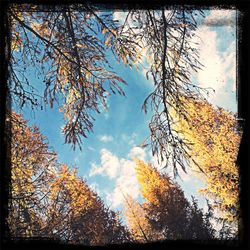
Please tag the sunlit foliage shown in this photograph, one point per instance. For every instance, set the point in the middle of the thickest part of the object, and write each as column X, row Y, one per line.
column 68, row 49
column 32, row 166
column 78, row 215
column 49, row 200
column 168, row 215
column 215, row 136
column 137, row 221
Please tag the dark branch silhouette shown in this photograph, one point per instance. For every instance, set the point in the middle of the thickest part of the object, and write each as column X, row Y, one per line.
column 68, row 48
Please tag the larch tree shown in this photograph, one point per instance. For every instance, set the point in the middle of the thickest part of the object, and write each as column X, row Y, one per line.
column 170, row 215
column 32, row 166
column 50, row 200
column 215, row 137
column 79, row 216
column 169, row 42
column 67, row 46
column 137, row 221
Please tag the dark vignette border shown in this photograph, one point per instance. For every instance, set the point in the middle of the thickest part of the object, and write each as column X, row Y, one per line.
column 243, row 69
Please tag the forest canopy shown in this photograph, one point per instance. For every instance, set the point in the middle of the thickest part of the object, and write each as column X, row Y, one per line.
column 67, row 61
column 48, row 199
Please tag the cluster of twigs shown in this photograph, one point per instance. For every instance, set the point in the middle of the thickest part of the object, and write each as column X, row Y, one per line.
column 67, row 46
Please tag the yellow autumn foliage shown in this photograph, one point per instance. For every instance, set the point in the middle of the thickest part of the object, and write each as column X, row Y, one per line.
column 165, row 214
column 215, row 136
column 151, row 182
column 137, row 221
column 78, row 194
column 30, row 171
column 48, row 199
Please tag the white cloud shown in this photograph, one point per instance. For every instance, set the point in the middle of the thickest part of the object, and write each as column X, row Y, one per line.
column 123, row 171
column 126, row 20
column 219, row 68
column 185, row 177
column 90, row 148
column 230, row 64
column 105, row 138
column 109, row 165
column 213, row 73
column 137, row 153
column 219, row 65
column 126, row 183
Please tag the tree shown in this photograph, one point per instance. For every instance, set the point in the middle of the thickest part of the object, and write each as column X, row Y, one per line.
column 50, row 200
column 215, row 136
column 169, row 214
column 66, row 49
column 78, row 215
column 32, row 167
column 168, row 37
column 137, row 221
column 67, row 46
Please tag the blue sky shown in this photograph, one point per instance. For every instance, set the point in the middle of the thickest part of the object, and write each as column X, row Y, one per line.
column 106, row 161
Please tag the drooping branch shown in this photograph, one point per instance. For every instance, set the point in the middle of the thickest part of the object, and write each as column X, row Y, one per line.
column 168, row 38
column 79, row 66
